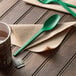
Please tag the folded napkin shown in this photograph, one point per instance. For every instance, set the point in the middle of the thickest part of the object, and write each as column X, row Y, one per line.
column 21, row 33
column 52, row 6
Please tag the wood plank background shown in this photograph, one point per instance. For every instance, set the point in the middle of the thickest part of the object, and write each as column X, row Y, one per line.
column 60, row 62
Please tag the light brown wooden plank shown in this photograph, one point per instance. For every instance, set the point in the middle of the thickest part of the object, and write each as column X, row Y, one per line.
column 35, row 14
column 31, row 64
column 5, row 5
column 71, row 70
column 16, row 12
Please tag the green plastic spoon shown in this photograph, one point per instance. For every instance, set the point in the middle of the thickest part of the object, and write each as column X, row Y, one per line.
column 61, row 3
column 49, row 1
column 49, row 24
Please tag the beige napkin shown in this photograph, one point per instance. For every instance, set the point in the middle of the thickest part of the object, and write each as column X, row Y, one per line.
column 21, row 33
column 52, row 6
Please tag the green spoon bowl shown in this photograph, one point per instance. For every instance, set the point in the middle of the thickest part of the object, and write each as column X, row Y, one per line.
column 51, row 22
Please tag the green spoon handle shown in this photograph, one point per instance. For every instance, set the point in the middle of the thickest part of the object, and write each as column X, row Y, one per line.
column 28, row 42
column 70, row 5
column 66, row 7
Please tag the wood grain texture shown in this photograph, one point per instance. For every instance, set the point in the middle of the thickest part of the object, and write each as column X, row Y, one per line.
column 41, row 64
column 71, row 69
column 65, row 52
column 5, row 5
column 16, row 12
column 33, row 16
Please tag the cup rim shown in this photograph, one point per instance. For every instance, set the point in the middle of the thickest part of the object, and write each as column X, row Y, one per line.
column 9, row 29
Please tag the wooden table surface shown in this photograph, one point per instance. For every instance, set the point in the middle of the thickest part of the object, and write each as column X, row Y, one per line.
column 60, row 62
